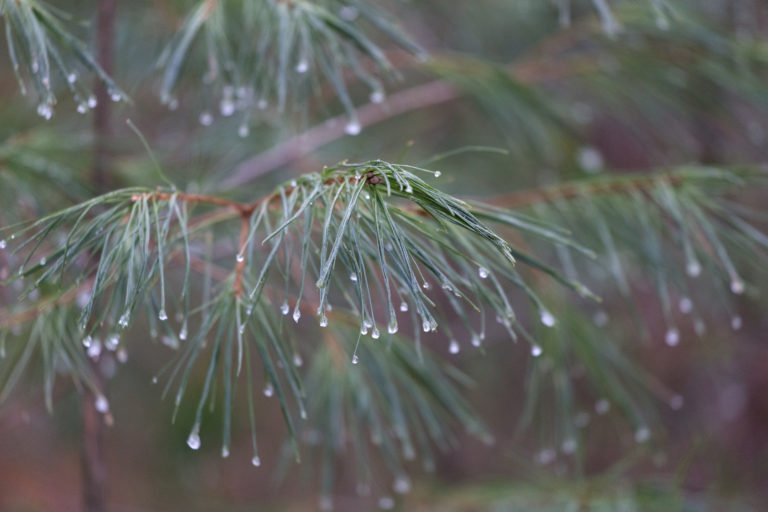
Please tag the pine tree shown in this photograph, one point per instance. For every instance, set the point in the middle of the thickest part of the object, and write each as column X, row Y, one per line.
column 615, row 145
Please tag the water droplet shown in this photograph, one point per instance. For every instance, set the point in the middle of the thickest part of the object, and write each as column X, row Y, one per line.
column 45, row 111
column 71, row 78
column 353, row 128
column 206, row 119
column 408, row 189
column 546, row 456
column 123, row 322
column 737, row 286
column 82, row 108
column 262, row 104
column 403, row 307
column 590, row 160
column 94, row 350
column 296, row 315
column 193, row 441
column 162, row 315
column 102, row 404
column 349, row 13
column 224, row 452
column 454, row 347
column 425, row 325
column 183, row 332
column 438, row 174
column 375, row 334
column 154, row 379
column 116, row 96
column 297, row 360
column 3, row 244
column 88, row 341
column 569, row 446
column 699, row 327
column 173, row 104
column 355, row 359
column 243, row 131
column 476, row 340
column 43, row 261
column 672, row 338
column 92, row 102
column 269, row 390
column 377, row 97
column 392, row 327
column 227, row 107
column 736, row 322
column 602, row 406
column 353, row 277
column 302, row 66
column 326, row 503
column 364, row 329
column 256, row 461
column 401, row 485
column 536, row 350
column 285, row 308
column 547, row 318
column 324, row 321
column 240, row 258
column 386, row 503
column 693, row 268
column 426, row 285
column 686, row 305
column 122, row 355
column 482, row 272
column 642, row 434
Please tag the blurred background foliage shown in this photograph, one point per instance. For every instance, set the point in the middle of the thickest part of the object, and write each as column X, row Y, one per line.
column 642, row 132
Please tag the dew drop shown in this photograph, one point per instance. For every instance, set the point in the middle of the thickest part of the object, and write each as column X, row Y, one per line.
column 92, row 102
column 353, row 128
column 454, row 348
column 297, row 360
column 112, row 342
column 476, row 341
column 243, row 131
column 173, row 104
column 736, row 322
column 693, row 268
column 162, row 315
column 122, row 355
column 102, row 404
column 116, row 96
column 324, row 321
column 269, row 390
column 82, row 108
column 193, row 441
column 353, row 277
column 686, row 305
column 154, row 379
column 408, row 189
column 45, row 111
column 256, row 461
column 699, row 327
column 285, row 308
column 386, row 503
column 392, row 327
column 737, row 286
column 602, row 406
column 296, row 315
column 672, row 337
column 438, row 174
column 569, row 446
column 302, row 66
column 401, row 485
column 355, row 359
column 364, row 329
column 224, row 452
column 536, row 350
column 590, row 160
column 403, row 307
column 71, row 78
column 227, row 107
column 377, row 97
column 3, row 244
column 482, row 272
column 94, row 350
column 425, row 325
column 183, row 332
column 88, row 341
column 206, row 119
column 547, row 318
column 262, row 104
column 375, row 334
column 642, row 434
column 43, row 261
column 123, row 322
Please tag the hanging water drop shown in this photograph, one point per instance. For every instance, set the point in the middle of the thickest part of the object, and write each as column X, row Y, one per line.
column 115, row 96
column 87, row 341
column 547, row 318
column 377, row 97
column 3, row 244
column 476, row 341
column 454, row 347
column 438, row 174
column 240, row 257
column 569, row 446
column 737, row 286
column 353, row 128
column 285, row 308
column 224, row 452
column 736, row 322
column 482, row 272
column 375, row 334
column 43, row 261
column 269, row 390
column 297, row 360
column 686, row 305
column 45, row 111
column 302, row 66
column 94, row 350
column 112, row 342
column 536, row 350
column 162, row 315
column 193, row 441
column 122, row 355
column 403, row 307
column 71, row 78
column 92, row 102
column 672, row 337
column 243, row 130
column 154, row 379
column 392, row 327
column 123, row 322
column 227, row 107
column 386, row 503
column 355, row 359
column 642, row 434
column 206, row 119
column 102, row 404
column 425, row 325
column 183, row 331
column 256, row 461
column 353, row 277
column 363, row 329
column 82, row 108
column 324, row 321
column 699, row 327
column 693, row 268
column 401, row 485
column 602, row 406
column 296, row 315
